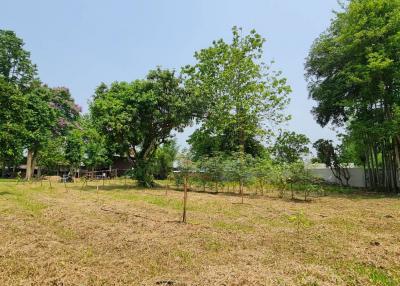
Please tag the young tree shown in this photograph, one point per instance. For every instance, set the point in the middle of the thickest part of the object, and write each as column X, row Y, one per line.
column 212, row 168
column 290, row 147
column 186, row 169
column 263, row 171
column 239, row 168
column 140, row 116
column 240, row 93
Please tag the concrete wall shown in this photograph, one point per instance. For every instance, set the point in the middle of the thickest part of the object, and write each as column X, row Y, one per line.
column 357, row 178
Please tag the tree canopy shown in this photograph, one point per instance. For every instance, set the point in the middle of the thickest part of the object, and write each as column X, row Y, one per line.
column 141, row 115
column 242, row 97
column 353, row 72
column 290, row 147
column 15, row 64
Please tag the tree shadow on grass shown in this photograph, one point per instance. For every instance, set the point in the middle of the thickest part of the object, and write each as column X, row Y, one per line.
column 5, row 193
column 363, row 195
column 353, row 194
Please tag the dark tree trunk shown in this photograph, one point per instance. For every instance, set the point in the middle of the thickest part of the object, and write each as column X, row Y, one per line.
column 30, row 164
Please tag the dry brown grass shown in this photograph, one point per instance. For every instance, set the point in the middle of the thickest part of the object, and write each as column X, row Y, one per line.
column 128, row 236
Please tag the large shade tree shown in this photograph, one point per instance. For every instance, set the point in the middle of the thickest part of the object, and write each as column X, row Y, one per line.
column 50, row 113
column 207, row 142
column 16, row 76
column 244, row 99
column 353, row 71
column 15, row 64
column 32, row 114
column 141, row 115
column 12, row 132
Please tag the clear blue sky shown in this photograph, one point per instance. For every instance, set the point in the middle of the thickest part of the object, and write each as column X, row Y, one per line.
column 80, row 43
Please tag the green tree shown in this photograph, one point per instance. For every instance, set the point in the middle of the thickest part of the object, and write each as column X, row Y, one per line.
column 353, row 71
column 140, row 116
column 74, row 148
column 263, row 171
column 213, row 168
column 332, row 157
column 240, row 93
column 12, row 132
column 96, row 151
column 239, row 168
column 290, row 147
column 16, row 76
column 205, row 142
column 186, row 169
column 52, row 156
column 50, row 113
column 15, row 64
column 164, row 159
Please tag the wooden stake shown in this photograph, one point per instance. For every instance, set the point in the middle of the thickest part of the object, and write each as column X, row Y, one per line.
column 184, row 199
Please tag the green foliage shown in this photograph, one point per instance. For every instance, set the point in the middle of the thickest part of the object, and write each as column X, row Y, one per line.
column 242, row 99
column 32, row 114
column 239, row 168
column 96, row 151
column 325, row 152
column 140, row 116
column 15, row 65
column 40, row 118
column 336, row 158
column 74, row 148
column 205, row 142
column 290, row 147
column 263, row 170
column 164, row 159
column 300, row 220
column 12, row 132
column 52, row 155
column 213, row 169
column 185, row 165
column 353, row 72
column 16, row 76
column 50, row 113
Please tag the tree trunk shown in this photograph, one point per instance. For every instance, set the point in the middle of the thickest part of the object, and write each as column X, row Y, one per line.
column 3, row 171
column 29, row 164
column 143, row 173
column 241, row 190
column 39, row 172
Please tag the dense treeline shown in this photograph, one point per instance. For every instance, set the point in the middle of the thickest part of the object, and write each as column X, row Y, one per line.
column 32, row 114
column 353, row 72
column 235, row 98
column 237, row 101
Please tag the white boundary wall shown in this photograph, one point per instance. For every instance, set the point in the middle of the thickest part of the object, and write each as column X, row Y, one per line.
column 357, row 178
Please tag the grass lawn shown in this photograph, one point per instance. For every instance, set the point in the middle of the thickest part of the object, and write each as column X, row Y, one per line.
column 128, row 236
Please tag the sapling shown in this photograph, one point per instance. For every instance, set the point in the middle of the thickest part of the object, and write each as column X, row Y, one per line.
column 300, row 221
column 186, row 168
column 309, row 189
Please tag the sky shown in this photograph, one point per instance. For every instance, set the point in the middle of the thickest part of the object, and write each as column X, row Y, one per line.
column 81, row 43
